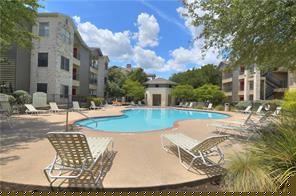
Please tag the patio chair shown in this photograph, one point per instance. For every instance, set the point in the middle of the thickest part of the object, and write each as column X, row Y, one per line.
column 54, row 107
column 190, row 105
column 247, row 110
column 180, row 104
column 76, row 155
column 248, row 126
column 210, row 106
column 197, row 150
column 32, row 110
column 277, row 111
column 185, row 105
column 140, row 103
column 133, row 103
column 93, row 106
column 242, row 131
column 76, row 106
column 242, row 122
column 259, row 110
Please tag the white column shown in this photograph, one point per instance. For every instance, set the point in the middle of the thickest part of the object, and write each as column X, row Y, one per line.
column 246, row 85
column 257, row 85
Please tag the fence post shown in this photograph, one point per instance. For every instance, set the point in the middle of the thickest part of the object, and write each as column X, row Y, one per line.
column 67, row 114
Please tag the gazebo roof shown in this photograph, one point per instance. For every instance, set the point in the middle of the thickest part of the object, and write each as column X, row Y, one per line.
column 160, row 81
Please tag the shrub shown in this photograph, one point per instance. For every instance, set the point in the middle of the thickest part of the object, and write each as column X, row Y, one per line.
column 245, row 173
column 98, row 100
column 273, row 153
column 219, row 108
column 22, row 97
column 242, row 105
column 290, row 101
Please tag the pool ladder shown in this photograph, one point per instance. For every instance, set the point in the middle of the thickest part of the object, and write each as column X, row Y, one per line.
column 88, row 117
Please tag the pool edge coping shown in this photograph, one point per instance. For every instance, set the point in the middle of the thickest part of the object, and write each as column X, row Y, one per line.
column 175, row 125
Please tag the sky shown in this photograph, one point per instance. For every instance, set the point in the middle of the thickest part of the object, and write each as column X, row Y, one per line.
column 152, row 34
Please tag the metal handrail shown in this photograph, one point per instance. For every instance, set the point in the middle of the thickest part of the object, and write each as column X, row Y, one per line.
column 87, row 117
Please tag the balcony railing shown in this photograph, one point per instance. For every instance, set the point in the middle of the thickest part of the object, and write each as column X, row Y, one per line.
column 75, row 76
column 93, row 81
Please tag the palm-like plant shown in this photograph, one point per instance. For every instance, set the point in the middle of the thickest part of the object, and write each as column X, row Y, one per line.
column 269, row 161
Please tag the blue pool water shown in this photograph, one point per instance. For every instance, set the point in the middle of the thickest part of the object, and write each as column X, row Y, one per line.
column 140, row 120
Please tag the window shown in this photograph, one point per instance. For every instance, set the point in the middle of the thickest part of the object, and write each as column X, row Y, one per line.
column 64, row 63
column 44, row 29
column 64, row 91
column 42, row 59
column 42, row 87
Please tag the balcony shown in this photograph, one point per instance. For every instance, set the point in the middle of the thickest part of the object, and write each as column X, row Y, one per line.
column 75, row 80
column 93, row 81
column 75, row 76
column 93, row 70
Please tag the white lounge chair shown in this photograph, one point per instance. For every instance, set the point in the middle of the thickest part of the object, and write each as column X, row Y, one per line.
column 242, row 122
column 76, row 106
column 259, row 110
column 210, row 106
column 277, row 111
column 133, row 103
column 140, row 103
column 93, row 106
column 180, row 104
column 247, row 110
column 185, row 105
column 190, row 105
column 197, row 150
column 32, row 110
column 54, row 107
column 242, row 131
column 76, row 155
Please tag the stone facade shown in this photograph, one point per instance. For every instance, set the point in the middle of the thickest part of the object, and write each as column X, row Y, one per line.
column 56, row 46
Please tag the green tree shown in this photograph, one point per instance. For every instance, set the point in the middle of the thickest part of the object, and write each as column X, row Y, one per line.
column 16, row 18
column 134, row 90
column 114, row 90
column 207, row 74
column 138, row 74
column 183, row 92
column 116, row 78
column 250, row 31
column 209, row 92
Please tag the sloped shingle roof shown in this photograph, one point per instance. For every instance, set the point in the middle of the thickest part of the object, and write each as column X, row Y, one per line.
column 160, row 81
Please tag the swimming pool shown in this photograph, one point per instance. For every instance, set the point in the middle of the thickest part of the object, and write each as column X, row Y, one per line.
column 145, row 119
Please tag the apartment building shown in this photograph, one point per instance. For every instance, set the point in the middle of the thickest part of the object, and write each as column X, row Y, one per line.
column 59, row 64
column 101, row 62
column 249, row 83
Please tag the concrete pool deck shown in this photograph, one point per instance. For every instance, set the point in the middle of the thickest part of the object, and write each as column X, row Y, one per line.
column 139, row 160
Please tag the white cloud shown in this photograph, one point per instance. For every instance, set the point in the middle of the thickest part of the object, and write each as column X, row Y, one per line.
column 148, row 30
column 115, row 45
column 120, row 48
column 147, row 59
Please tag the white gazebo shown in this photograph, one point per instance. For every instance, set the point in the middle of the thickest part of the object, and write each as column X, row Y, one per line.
column 158, row 92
